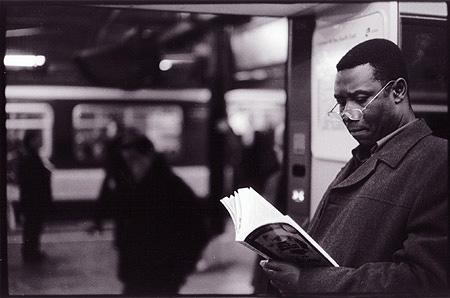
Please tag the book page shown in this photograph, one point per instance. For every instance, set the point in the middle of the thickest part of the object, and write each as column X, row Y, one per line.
column 229, row 204
column 237, row 202
column 256, row 211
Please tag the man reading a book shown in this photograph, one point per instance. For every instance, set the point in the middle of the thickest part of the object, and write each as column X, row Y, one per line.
column 384, row 217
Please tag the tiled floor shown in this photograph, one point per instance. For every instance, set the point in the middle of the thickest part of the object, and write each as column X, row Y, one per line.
column 83, row 264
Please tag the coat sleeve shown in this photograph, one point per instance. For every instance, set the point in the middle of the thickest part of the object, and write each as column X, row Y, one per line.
column 420, row 265
column 27, row 185
column 189, row 225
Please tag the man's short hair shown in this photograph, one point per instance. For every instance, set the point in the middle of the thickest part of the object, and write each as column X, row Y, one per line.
column 383, row 55
column 140, row 143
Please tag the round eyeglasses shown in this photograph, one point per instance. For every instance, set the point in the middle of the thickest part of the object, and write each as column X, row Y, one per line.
column 355, row 114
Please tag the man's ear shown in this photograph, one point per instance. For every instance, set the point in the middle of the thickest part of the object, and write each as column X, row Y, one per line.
column 399, row 90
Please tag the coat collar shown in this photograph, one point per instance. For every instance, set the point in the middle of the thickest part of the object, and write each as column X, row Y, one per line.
column 390, row 153
column 394, row 151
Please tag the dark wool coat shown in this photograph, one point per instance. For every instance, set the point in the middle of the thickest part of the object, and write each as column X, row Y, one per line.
column 386, row 223
column 35, row 200
column 35, row 185
column 160, row 231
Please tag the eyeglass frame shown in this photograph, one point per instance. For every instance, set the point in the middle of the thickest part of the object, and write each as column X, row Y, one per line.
column 346, row 113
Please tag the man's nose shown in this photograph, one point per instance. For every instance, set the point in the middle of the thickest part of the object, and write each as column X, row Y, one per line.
column 345, row 118
column 350, row 105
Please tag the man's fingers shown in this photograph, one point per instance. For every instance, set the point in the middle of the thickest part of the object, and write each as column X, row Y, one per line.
column 271, row 265
column 283, row 276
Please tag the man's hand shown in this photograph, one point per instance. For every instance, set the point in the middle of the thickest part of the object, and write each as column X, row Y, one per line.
column 282, row 275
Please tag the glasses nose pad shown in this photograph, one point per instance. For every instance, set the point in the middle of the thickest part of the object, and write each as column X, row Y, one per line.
column 345, row 117
column 346, row 113
column 354, row 115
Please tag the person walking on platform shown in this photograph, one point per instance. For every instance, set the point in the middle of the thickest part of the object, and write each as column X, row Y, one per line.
column 160, row 228
column 34, row 180
column 384, row 218
column 115, row 174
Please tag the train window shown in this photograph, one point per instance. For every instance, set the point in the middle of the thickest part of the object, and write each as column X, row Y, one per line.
column 29, row 116
column 255, row 68
column 163, row 124
column 252, row 110
column 424, row 44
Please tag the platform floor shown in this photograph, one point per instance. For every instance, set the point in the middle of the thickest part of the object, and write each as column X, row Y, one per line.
column 82, row 264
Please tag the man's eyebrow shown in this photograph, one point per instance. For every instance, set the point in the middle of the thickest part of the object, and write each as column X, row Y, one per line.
column 353, row 94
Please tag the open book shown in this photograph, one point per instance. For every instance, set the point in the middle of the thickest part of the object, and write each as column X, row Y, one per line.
column 264, row 229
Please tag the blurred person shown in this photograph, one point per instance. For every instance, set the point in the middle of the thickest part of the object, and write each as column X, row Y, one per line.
column 115, row 173
column 232, row 152
column 232, row 158
column 273, row 193
column 12, row 157
column 384, row 218
column 34, row 180
column 259, row 161
column 250, row 153
column 160, row 230
column 272, row 184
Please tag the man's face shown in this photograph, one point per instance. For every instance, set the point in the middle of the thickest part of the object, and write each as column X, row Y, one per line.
column 353, row 89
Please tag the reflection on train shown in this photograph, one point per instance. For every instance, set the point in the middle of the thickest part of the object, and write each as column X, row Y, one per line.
column 233, row 95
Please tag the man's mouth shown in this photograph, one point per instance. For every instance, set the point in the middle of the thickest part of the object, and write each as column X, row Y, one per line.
column 355, row 130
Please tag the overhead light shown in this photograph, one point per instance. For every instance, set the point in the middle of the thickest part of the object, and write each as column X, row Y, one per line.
column 23, row 32
column 24, row 61
column 167, row 64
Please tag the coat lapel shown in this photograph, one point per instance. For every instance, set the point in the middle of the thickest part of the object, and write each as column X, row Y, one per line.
column 361, row 173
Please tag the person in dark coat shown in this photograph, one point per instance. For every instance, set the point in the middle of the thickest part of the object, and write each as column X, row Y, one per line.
column 160, row 230
column 384, row 219
column 259, row 161
column 115, row 174
column 34, row 180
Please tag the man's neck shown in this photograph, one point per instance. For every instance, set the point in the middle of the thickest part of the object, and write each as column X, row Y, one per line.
column 406, row 118
column 386, row 138
column 363, row 152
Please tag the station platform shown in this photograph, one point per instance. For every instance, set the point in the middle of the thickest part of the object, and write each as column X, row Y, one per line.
column 79, row 263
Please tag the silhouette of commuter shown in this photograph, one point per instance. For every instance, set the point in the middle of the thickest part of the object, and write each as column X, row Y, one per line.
column 34, row 180
column 259, row 161
column 115, row 174
column 274, row 193
column 160, row 230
